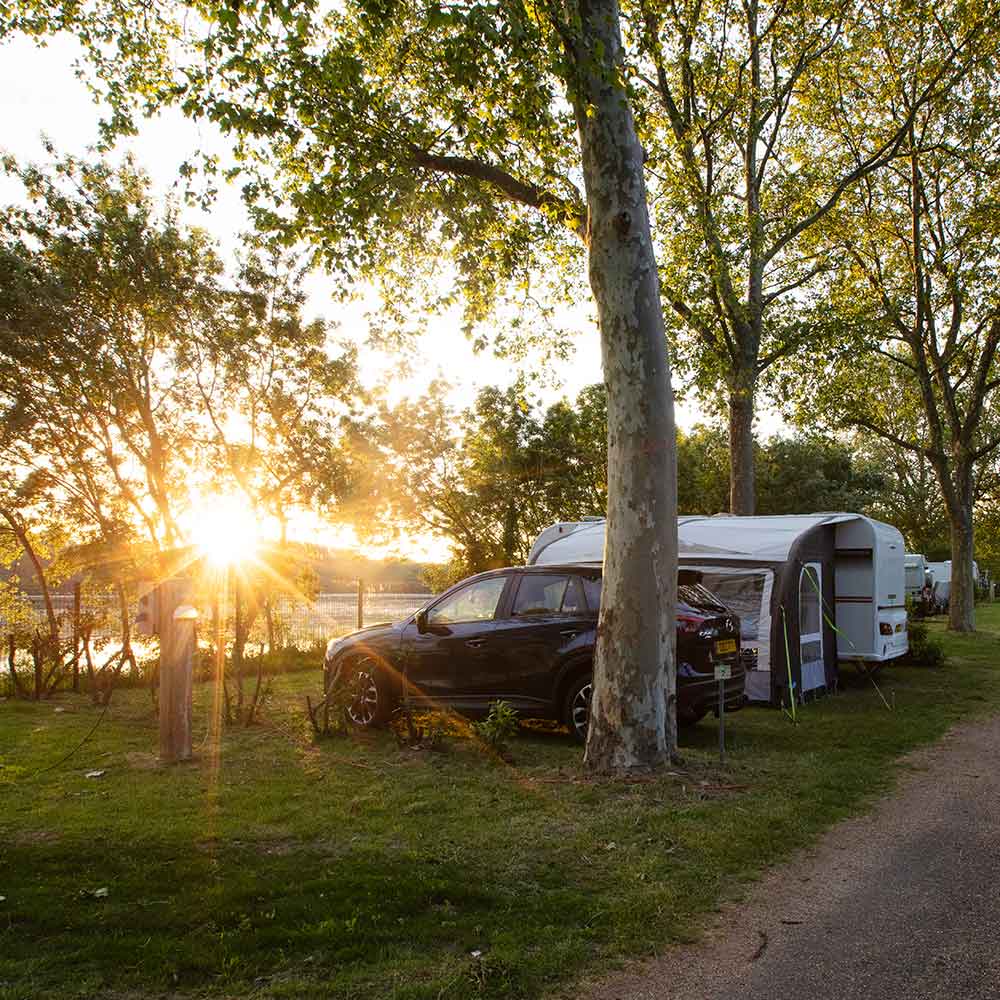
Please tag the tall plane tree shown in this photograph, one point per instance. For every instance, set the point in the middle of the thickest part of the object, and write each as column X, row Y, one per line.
column 921, row 288
column 757, row 125
column 403, row 130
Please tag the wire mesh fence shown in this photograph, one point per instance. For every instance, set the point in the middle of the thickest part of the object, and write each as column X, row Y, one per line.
column 334, row 614
column 288, row 621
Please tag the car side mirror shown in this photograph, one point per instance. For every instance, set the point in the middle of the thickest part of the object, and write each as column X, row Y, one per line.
column 421, row 622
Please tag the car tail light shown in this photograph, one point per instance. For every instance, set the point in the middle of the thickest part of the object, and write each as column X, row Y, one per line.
column 687, row 624
column 884, row 628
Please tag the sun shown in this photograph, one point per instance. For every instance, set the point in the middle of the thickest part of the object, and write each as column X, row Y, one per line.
column 225, row 530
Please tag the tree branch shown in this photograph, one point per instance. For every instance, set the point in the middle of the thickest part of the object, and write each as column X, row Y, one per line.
column 572, row 213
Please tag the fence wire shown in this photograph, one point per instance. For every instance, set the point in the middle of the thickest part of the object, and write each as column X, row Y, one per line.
column 293, row 622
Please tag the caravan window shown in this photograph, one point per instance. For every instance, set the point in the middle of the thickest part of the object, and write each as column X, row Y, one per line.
column 592, row 588
column 743, row 594
column 809, row 602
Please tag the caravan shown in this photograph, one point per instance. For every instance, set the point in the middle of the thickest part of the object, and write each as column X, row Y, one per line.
column 941, row 574
column 942, row 582
column 810, row 589
column 918, row 574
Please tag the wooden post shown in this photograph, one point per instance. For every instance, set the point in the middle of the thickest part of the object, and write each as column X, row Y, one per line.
column 36, row 659
column 361, row 603
column 177, row 642
column 76, row 636
column 239, row 641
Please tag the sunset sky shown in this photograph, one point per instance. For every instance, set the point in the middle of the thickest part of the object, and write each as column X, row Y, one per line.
column 44, row 96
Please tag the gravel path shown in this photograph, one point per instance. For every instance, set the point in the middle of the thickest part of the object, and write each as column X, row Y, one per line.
column 900, row 904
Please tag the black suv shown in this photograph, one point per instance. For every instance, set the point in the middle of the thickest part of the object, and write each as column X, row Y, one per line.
column 524, row 635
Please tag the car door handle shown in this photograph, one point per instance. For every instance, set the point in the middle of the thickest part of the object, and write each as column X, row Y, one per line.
column 475, row 643
column 569, row 633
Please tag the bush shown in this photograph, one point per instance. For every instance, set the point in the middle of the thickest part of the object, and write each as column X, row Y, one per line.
column 498, row 727
column 925, row 649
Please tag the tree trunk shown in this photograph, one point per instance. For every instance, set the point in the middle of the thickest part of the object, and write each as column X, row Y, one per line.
column 962, row 598
column 239, row 642
column 633, row 720
column 742, row 491
column 21, row 534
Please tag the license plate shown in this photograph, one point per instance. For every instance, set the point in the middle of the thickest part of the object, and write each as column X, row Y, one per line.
column 725, row 646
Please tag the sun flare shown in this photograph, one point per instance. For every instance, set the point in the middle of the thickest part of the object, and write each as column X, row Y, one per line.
column 225, row 530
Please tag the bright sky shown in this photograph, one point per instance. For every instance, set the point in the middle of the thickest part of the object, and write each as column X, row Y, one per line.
column 42, row 95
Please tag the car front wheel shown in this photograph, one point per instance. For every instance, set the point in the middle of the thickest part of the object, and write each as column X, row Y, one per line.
column 576, row 708
column 370, row 701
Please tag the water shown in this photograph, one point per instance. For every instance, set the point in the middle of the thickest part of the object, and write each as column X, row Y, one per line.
column 299, row 624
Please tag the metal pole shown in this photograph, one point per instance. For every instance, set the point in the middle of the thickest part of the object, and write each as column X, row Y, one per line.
column 722, row 721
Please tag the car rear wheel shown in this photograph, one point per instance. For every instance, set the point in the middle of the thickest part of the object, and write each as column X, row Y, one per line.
column 370, row 701
column 691, row 717
column 576, row 707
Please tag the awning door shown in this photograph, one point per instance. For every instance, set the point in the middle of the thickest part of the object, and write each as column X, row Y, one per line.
column 811, row 627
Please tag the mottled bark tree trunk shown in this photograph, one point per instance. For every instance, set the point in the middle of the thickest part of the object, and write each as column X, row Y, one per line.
column 742, row 491
column 632, row 714
column 962, row 597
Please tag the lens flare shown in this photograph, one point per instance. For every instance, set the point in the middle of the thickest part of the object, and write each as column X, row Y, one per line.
column 225, row 530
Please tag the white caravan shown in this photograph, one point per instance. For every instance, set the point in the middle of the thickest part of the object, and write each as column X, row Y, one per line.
column 810, row 589
column 941, row 573
column 918, row 573
column 942, row 580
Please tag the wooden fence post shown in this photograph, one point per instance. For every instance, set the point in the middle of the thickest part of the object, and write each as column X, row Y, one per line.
column 177, row 647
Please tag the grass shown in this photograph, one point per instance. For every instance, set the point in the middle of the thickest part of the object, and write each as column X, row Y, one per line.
column 283, row 867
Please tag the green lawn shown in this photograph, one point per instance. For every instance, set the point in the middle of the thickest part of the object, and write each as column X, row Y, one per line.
column 350, row 868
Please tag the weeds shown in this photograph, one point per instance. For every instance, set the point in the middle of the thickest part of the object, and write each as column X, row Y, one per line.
column 498, row 728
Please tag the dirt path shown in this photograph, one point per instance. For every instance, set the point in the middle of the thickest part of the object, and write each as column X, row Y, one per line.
column 901, row 904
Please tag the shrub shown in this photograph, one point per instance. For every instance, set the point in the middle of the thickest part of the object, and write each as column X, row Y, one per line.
column 498, row 727
column 925, row 649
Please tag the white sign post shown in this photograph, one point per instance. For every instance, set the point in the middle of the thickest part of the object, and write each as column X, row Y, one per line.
column 723, row 671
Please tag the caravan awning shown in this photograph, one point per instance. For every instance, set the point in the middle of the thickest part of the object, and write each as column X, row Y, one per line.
column 720, row 538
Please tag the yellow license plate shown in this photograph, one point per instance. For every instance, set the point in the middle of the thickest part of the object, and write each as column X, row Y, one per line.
column 725, row 646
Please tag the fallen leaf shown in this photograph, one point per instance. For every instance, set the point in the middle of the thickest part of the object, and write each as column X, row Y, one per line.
column 95, row 774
